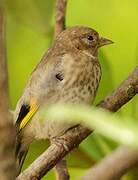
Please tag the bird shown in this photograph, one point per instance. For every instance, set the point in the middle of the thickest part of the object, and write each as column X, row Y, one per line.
column 69, row 72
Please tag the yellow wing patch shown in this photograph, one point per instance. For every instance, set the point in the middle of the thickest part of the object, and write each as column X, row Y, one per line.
column 29, row 115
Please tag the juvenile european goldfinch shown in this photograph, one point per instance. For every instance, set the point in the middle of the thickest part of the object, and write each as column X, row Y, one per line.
column 69, row 72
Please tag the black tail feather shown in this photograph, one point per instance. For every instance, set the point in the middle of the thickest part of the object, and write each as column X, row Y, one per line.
column 20, row 160
column 20, row 153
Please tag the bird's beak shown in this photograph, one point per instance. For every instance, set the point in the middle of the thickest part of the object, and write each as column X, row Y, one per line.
column 105, row 41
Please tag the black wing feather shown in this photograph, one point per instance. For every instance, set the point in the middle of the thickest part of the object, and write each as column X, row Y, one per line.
column 23, row 112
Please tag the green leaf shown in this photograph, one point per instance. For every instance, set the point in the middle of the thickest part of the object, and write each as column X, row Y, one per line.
column 119, row 129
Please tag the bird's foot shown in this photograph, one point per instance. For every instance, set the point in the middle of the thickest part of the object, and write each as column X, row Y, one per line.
column 60, row 142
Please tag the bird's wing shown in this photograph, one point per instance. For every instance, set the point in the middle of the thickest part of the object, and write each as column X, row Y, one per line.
column 30, row 101
column 26, row 113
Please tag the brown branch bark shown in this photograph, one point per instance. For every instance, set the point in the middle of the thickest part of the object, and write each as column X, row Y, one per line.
column 62, row 171
column 74, row 136
column 125, row 92
column 60, row 13
column 7, row 135
column 113, row 166
column 60, row 16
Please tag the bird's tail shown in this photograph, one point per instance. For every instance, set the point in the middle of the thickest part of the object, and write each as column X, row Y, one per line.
column 20, row 154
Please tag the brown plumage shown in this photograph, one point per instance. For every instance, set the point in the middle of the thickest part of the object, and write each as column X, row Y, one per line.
column 68, row 73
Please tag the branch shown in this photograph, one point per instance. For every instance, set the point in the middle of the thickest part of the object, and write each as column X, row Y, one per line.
column 54, row 153
column 60, row 16
column 73, row 137
column 7, row 135
column 60, row 10
column 114, row 166
column 125, row 92
column 62, row 171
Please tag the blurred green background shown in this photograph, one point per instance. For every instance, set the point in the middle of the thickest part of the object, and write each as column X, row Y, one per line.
column 30, row 27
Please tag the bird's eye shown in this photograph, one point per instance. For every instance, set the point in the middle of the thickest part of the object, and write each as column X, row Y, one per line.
column 59, row 76
column 90, row 38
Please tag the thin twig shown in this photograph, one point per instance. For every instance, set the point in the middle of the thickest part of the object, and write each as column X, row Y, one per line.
column 7, row 135
column 60, row 16
column 125, row 92
column 73, row 137
column 62, row 171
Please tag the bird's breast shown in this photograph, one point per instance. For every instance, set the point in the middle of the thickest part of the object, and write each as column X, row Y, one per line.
column 81, row 82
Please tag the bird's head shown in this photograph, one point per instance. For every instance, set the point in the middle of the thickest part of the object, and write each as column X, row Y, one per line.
column 83, row 39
